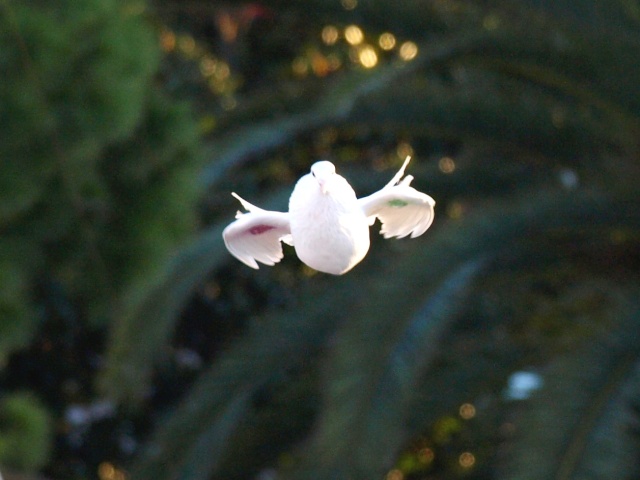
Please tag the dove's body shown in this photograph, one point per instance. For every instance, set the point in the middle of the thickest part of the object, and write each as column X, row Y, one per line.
column 326, row 223
column 330, row 231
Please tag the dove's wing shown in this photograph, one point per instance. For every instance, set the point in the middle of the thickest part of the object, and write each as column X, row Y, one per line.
column 256, row 235
column 402, row 209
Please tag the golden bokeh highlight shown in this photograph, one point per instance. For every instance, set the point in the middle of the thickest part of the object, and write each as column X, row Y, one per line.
column 187, row 45
column 404, row 150
column 215, row 86
column 300, row 66
column 387, row 41
column 330, row 35
column 368, row 56
column 334, row 62
column 426, row 455
column 408, row 51
column 467, row 460
column 394, row 474
column 216, row 73
column 207, row 66
column 354, row 35
column 467, row 411
column 349, row 4
column 167, row 41
column 228, row 102
column 222, row 71
column 447, row 165
column 107, row 471
column 320, row 65
column 228, row 27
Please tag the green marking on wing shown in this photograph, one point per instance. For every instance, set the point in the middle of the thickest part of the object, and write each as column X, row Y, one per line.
column 397, row 203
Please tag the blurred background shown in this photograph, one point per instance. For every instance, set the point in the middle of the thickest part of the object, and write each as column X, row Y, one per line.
column 502, row 344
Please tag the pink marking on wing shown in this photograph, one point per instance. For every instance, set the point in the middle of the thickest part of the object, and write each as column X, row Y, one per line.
column 259, row 229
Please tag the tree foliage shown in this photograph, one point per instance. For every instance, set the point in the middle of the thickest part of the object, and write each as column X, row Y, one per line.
column 98, row 166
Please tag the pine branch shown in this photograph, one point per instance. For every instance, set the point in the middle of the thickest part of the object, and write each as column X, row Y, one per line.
column 377, row 429
column 362, row 348
column 275, row 342
column 334, row 106
column 503, row 114
column 370, row 323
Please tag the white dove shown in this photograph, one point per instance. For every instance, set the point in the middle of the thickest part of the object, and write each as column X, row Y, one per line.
column 327, row 224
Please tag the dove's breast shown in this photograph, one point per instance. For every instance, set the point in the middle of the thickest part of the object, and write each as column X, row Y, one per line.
column 330, row 232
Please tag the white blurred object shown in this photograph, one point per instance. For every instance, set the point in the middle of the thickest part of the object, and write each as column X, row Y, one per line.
column 522, row 384
column 569, row 178
column 78, row 415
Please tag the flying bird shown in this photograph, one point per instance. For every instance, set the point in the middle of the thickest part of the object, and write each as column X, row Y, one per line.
column 327, row 224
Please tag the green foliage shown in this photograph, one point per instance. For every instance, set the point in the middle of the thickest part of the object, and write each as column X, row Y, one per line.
column 368, row 409
column 98, row 180
column 26, row 432
column 374, row 367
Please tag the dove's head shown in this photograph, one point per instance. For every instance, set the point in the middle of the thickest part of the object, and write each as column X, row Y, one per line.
column 324, row 172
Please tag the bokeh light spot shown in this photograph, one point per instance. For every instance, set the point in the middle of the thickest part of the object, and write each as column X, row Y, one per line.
column 349, row 4
column 446, row 165
column 404, row 150
column 394, row 474
column 107, row 471
column 222, row 71
column 168, row 41
column 300, row 66
column 408, row 51
column 320, row 64
column 467, row 460
column 330, row 35
column 387, row 41
column 426, row 455
column 368, row 56
column 228, row 102
column 353, row 34
column 467, row 411
column 207, row 66
column 187, row 45
column 334, row 62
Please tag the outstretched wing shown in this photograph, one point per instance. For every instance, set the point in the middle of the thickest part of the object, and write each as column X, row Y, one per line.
column 256, row 235
column 402, row 209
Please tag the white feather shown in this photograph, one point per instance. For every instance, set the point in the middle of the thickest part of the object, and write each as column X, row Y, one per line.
column 327, row 225
column 257, row 235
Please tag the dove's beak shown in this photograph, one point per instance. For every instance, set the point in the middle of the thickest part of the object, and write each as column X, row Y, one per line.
column 324, row 187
